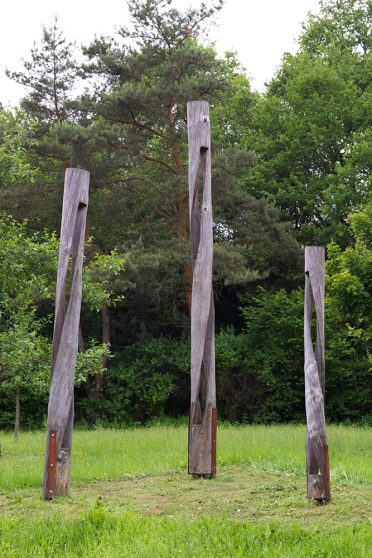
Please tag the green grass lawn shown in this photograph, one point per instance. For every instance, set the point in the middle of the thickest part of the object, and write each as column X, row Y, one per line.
column 131, row 496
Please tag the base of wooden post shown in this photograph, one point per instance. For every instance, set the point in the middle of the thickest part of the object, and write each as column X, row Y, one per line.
column 318, row 483
column 63, row 472
column 202, row 445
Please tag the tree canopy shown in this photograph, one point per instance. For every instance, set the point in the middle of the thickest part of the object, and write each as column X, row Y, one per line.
column 290, row 167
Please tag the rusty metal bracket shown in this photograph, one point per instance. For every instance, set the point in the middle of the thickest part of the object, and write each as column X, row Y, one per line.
column 214, row 442
column 52, row 464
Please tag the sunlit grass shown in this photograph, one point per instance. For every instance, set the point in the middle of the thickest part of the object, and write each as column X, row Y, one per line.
column 97, row 533
column 105, row 454
column 131, row 496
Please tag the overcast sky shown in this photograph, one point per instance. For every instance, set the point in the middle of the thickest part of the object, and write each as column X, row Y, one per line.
column 259, row 30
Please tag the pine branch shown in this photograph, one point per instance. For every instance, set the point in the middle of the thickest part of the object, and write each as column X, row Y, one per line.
column 163, row 163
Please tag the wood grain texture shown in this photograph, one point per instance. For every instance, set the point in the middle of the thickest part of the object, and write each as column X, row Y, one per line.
column 317, row 460
column 202, row 431
column 66, row 332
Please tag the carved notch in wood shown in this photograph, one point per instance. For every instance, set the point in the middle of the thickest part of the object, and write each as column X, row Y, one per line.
column 203, row 414
column 317, row 459
column 66, row 334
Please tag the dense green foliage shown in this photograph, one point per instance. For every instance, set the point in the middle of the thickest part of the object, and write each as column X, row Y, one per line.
column 28, row 266
column 291, row 167
column 16, row 138
column 311, row 129
column 260, row 368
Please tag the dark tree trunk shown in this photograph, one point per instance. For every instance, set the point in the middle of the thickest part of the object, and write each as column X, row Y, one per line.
column 16, row 422
column 81, row 344
column 183, row 209
column 105, row 315
column 94, row 386
column 17, row 415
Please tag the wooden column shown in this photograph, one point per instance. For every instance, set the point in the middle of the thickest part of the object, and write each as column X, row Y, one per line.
column 203, row 414
column 66, row 334
column 317, row 460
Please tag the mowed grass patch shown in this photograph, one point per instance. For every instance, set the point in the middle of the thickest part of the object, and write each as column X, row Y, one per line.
column 105, row 454
column 236, row 492
column 131, row 496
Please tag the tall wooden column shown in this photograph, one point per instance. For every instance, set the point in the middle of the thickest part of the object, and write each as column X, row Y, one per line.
column 66, row 334
column 203, row 413
column 317, row 459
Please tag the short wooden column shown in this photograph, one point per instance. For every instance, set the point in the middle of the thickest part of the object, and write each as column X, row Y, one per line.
column 317, row 459
column 203, row 413
column 66, row 334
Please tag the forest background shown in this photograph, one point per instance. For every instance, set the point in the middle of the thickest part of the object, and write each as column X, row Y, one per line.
column 291, row 167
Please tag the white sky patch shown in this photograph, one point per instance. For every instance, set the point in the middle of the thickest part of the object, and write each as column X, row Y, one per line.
column 260, row 31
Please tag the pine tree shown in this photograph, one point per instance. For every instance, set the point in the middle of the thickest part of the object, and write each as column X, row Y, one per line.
column 134, row 143
column 158, row 66
column 50, row 75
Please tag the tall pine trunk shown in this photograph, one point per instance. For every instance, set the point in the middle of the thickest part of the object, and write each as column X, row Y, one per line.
column 105, row 315
column 182, row 210
column 94, row 386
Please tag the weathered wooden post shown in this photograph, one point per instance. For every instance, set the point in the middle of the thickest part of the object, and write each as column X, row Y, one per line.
column 317, row 459
column 66, row 334
column 203, row 413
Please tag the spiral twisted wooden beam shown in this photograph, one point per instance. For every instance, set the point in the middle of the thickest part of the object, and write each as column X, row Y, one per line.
column 66, row 334
column 203, row 414
column 317, row 459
